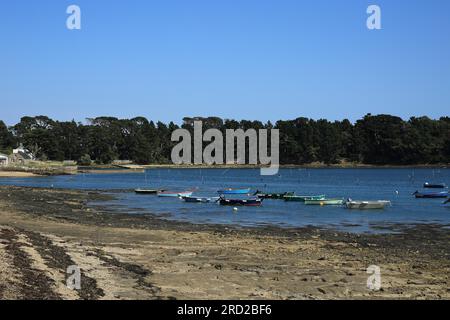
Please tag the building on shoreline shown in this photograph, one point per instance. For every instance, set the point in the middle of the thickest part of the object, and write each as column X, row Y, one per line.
column 21, row 155
column 4, row 159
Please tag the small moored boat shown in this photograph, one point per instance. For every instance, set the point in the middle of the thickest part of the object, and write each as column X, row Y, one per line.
column 234, row 191
column 176, row 194
column 434, row 185
column 264, row 195
column 447, row 201
column 303, row 198
column 363, row 205
column 442, row 194
column 241, row 202
column 147, row 191
column 200, row 199
column 324, row 202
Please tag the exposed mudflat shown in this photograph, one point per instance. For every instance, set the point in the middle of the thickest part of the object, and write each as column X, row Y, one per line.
column 44, row 231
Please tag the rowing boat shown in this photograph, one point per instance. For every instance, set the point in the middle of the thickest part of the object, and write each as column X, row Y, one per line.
column 442, row 194
column 363, row 205
column 200, row 199
column 234, row 191
column 303, row 198
column 324, row 202
column 174, row 194
column 263, row 195
column 434, row 185
column 241, row 202
column 146, row 191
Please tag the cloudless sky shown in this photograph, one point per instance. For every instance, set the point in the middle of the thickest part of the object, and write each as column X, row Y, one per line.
column 241, row 59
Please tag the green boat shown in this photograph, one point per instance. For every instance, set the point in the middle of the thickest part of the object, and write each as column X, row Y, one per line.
column 303, row 198
column 325, row 202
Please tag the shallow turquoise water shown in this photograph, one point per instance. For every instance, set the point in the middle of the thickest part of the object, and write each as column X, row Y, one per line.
column 396, row 185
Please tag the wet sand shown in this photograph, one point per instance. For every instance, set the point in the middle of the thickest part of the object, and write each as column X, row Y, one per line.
column 43, row 231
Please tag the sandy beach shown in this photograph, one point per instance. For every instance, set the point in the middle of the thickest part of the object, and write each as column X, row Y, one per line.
column 43, row 231
column 16, row 174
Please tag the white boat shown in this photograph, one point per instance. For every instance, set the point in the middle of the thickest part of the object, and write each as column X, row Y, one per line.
column 201, row 199
column 362, row 205
column 324, row 202
column 174, row 194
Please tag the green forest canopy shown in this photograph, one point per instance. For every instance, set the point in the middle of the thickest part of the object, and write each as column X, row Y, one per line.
column 374, row 139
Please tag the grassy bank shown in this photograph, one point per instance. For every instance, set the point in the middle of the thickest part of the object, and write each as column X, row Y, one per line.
column 43, row 168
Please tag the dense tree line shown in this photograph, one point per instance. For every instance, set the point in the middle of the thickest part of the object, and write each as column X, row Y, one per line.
column 7, row 139
column 380, row 139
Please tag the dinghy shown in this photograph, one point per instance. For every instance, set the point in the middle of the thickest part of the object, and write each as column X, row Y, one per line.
column 234, row 191
column 263, row 195
column 146, row 191
column 434, row 185
column 303, row 198
column 175, row 194
column 324, row 202
column 363, row 205
column 241, row 202
column 442, row 194
column 200, row 199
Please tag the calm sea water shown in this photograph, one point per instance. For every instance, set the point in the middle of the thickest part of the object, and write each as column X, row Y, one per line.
column 395, row 185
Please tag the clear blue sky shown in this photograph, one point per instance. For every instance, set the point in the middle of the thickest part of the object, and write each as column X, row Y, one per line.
column 242, row 59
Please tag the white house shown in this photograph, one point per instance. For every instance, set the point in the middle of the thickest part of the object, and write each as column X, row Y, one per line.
column 22, row 153
column 4, row 160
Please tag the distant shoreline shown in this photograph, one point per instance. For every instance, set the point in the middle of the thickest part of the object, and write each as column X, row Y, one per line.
column 11, row 172
column 295, row 166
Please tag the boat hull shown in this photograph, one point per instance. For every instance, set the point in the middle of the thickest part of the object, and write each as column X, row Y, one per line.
column 200, row 199
column 274, row 196
column 147, row 191
column 234, row 191
column 436, row 195
column 325, row 202
column 241, row 202
column 303, row 198
column 367, row 205
column 175, row 194
column 434, row 186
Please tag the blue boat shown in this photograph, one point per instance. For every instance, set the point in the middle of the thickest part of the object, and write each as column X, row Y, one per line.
column 442, row 194
column 234, row 191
